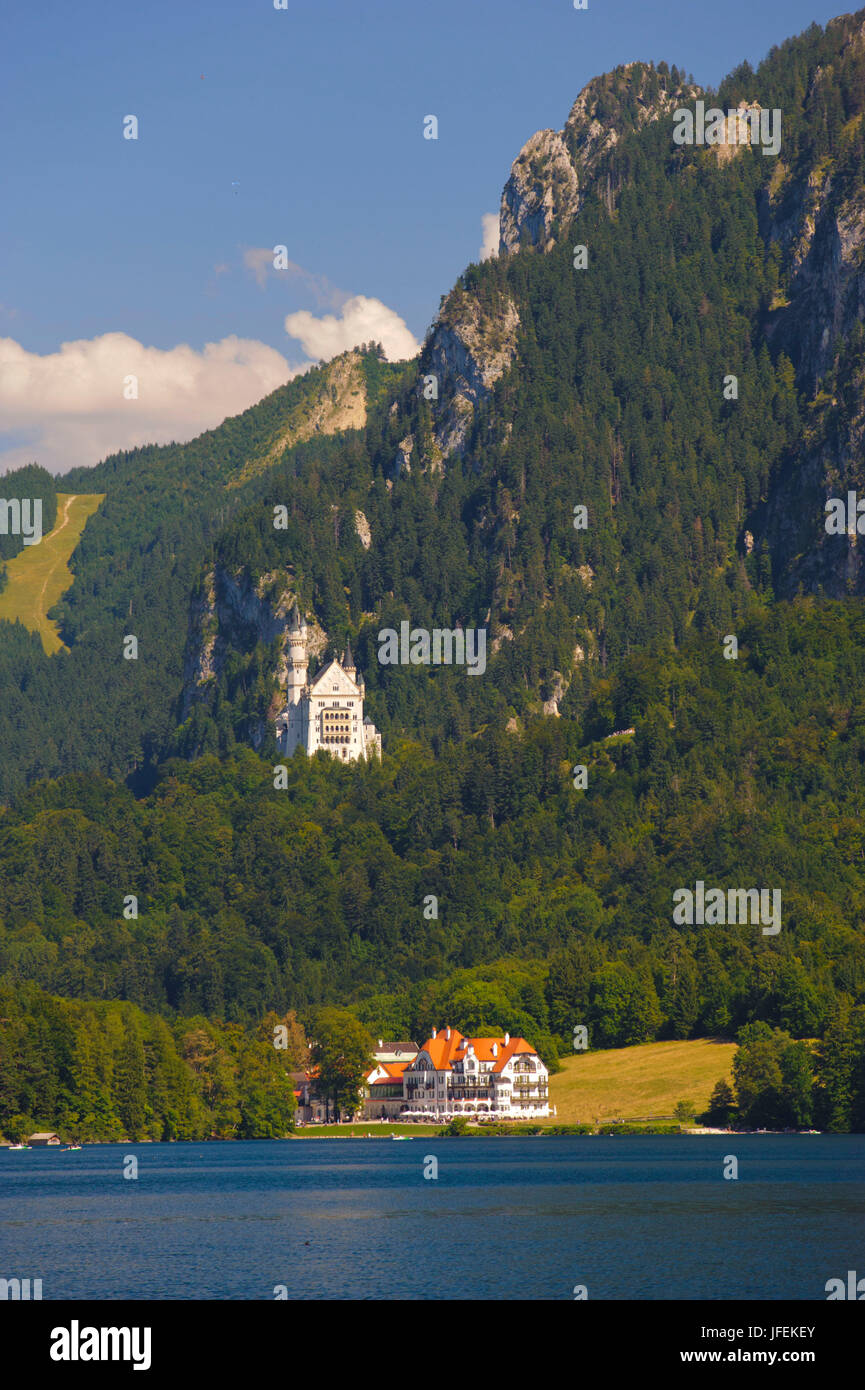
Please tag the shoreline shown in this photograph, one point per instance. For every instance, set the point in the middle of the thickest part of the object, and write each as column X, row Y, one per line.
column 406, row 1132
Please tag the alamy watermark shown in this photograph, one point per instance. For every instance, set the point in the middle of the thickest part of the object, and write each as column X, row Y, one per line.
column 748, row 125
column 19, row 1289
column 442, row 647
column 77, row 1343
column 846, row 518
column 21, row 516
column 743, row 906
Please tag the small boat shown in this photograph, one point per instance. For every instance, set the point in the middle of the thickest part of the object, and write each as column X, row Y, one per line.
column 402, row 1136
column 19, row 1146
column 70, row 1148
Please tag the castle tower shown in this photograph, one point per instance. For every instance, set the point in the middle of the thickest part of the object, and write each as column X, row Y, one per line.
column 326, row 712
column 298, row 661
column 348, row 661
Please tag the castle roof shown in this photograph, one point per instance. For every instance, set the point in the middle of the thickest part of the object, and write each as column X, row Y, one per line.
column 333, row 671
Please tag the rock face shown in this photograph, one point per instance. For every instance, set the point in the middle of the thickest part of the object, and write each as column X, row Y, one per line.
column 820, row 230
column 468, row 349
column 824, row 242
column 804, row 554
column 554, row 171
column 361, row 525
column 230, row 616
column 339, row 404
column 473, row 343
column 543, row 187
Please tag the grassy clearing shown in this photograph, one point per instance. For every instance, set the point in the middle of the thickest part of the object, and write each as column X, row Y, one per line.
column 40, row 574
column 635, row 1083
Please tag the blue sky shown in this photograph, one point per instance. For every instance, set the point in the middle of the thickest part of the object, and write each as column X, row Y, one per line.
column 301, row 127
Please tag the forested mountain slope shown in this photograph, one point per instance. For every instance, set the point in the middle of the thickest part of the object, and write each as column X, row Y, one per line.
column 135, row 567
column 555, row 387
column 542, row 387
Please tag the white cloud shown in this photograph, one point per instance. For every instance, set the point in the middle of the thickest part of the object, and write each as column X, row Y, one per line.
column 68, row 407
column 259, row 259
column 362, row 320
column 490, row 234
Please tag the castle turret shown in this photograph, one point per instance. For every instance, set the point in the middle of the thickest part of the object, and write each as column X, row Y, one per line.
column 297, row 656
column 348, row 661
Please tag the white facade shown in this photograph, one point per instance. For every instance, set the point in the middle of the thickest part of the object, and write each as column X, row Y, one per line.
column 326, row 712
column 454, row 1075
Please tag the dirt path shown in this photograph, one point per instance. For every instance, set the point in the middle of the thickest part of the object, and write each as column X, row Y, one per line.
column 73, row 497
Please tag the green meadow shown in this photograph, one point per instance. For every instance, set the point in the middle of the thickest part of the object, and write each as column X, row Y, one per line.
column 40, row 574
column 639, row 1083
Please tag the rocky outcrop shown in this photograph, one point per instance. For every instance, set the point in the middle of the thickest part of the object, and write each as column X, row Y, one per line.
column 804, row 555
column 338, row 403
column 543, row 188
column 555, row 170
column 474, row 341
column 231, row 616
column 823, row 244
column 818, row 225
column 468, row 349
column 403, row 455
column 361, row 526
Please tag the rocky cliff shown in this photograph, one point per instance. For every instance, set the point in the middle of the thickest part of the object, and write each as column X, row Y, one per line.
column 814, row 215
column 473, row 343
column 555, row 170
column 228, row 619
column 469, row 348
column 337, row 402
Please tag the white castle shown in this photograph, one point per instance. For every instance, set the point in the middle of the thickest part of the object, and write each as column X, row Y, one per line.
column 327, row 711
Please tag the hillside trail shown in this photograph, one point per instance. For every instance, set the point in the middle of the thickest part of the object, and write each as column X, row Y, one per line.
column 73, row 497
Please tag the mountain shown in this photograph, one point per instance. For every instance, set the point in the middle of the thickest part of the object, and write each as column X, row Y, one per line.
column 556, row 171
column 692, row 378
column 139, row 560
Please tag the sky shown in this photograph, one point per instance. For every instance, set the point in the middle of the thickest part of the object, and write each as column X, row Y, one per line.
column 302, row 127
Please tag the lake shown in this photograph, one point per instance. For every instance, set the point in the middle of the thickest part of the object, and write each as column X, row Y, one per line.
column 629, row 1218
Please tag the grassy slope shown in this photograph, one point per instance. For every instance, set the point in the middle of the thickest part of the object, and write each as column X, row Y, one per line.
column 633, row 1083
column 40, row 574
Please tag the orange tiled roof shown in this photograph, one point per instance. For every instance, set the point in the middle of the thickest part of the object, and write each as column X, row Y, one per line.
column 442, row 1048
column 393, row 1072
column 445, row 1050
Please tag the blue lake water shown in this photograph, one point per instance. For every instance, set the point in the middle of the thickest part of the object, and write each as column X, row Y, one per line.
column 630, row 1218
